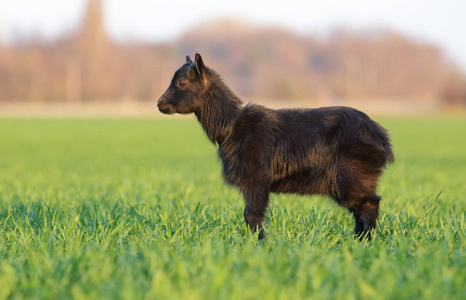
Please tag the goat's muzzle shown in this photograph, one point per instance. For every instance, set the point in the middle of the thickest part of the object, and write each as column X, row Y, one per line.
column 164, row 107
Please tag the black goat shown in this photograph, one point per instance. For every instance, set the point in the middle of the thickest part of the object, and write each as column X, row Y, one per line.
column 335, row 151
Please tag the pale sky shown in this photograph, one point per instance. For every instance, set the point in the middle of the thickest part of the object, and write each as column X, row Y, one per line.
column 436, row 21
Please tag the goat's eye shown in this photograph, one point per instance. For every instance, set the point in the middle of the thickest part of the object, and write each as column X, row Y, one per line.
column 183, row 83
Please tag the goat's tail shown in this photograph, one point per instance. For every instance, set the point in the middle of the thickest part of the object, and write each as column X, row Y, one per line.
column 389, row 152
column 386, row 144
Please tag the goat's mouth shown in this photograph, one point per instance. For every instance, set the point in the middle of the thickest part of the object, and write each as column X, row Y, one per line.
column 167, row 109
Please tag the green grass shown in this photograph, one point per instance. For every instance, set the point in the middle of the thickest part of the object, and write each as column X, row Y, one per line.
column 136, row 209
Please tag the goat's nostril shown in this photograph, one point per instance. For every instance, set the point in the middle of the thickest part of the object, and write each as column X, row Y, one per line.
column 159, row 101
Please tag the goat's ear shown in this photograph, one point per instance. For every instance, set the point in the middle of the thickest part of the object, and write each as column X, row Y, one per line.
column 200, row 67
column 188, row 59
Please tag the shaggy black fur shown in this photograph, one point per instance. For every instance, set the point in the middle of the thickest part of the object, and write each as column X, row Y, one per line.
column 335, row 151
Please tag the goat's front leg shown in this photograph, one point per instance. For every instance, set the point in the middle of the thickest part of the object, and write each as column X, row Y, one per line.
column 254, row 212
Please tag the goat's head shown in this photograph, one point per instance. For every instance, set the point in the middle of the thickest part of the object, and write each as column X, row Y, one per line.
column 184, row 95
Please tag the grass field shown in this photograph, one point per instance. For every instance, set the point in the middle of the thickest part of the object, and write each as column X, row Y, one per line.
column 136, row 209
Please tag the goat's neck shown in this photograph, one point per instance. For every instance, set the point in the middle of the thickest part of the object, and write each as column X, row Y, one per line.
column 219, row 113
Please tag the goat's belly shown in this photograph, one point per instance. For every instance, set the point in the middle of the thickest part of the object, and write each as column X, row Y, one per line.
column 308, row 182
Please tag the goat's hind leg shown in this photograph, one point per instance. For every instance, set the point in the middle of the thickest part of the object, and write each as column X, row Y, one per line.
column 365, row 211
column 359, row 175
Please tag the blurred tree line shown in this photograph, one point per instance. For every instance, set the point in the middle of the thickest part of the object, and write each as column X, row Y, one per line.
column 260, row 62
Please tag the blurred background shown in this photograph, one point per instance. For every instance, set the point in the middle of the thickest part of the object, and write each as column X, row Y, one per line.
column 116, row 56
